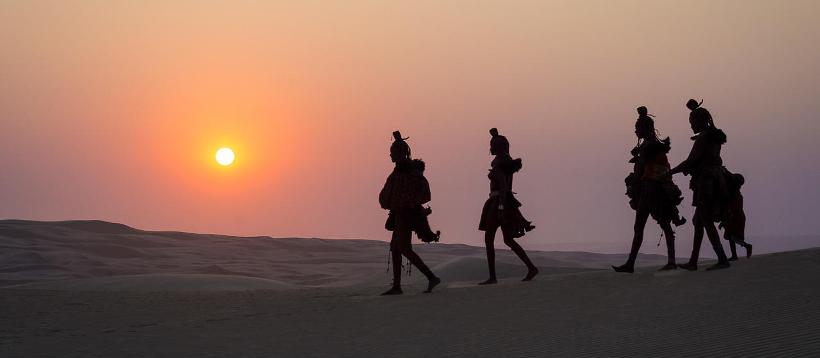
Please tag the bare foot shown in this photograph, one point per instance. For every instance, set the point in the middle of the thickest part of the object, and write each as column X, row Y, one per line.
column 624, row 268
column 432, row 284
column 531, row 274
column 395, row 290
column 719, row 266
column 490, row 281
column 689, row 266
column 669, row 266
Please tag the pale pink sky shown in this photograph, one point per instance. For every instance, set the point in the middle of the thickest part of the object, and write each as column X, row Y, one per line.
column 113, row 110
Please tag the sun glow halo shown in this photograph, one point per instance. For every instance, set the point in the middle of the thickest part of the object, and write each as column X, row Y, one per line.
column 225, row 156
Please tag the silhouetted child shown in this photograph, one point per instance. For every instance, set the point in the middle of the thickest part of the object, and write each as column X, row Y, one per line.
column 421, row 225
column 734, row 221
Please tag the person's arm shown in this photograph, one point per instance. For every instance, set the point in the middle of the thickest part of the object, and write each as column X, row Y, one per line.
column 698, row 148
column 504, row 185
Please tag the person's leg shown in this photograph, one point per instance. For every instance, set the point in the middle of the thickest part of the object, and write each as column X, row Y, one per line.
column 746, row 246
column 670, row 246
column 696, row 242
column 714, row 239
column 641, row 216
column 395, row 256
column 509, row 240
column 489, row 245
column 733, row 249
column 406, row 249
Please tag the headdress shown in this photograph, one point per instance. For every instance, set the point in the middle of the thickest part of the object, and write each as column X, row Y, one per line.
column 693, row 104
column 644, row 118
column 400, row 148
column 699, row 113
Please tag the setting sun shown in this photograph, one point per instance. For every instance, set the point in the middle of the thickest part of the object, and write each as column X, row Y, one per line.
column 225, row 156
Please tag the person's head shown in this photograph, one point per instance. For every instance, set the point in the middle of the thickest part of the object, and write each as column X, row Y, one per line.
column 738, row 180
column 498, row 143
column 645, row 125
column 699, row 118
column 399, row 150
column 692, row 104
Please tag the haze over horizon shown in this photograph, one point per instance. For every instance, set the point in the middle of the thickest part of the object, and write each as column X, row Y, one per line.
column 114, row 111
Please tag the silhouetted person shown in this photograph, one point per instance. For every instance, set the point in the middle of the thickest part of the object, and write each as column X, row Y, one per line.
column 502, row 208
column 404, row 192
column 651, row 190
column 708, row 183
column 734, row 220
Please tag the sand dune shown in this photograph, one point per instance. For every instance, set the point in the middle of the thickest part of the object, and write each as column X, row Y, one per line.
column 763, row 307
column 80, row 254
column 160, row 282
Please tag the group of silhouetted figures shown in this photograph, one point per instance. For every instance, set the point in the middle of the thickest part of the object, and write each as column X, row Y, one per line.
column 716, row 198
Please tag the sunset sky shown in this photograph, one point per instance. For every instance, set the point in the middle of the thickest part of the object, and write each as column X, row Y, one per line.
column 113, row 110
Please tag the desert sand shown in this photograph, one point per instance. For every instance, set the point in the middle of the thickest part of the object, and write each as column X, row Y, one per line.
column 94, row 289
column 87, row 254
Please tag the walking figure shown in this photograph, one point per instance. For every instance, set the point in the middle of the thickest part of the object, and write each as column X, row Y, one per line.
column 502, row 208
column 708, row 183
column 404, row 193
column 734, row 221
column 651, row 190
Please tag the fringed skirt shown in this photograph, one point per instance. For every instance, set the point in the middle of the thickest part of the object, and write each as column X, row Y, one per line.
column 660, row 199
column 509, row 220
column 710, row 192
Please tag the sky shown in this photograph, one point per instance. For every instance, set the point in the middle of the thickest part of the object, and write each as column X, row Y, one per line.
column 113, row 110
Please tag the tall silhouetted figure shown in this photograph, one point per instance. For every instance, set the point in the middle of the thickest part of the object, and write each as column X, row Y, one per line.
column 651, row 190
column 708, row 182
column 734, row 220
column 404, row 193
column 502, row 208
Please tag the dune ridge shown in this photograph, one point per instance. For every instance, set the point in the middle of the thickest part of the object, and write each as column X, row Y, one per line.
column 81, row 254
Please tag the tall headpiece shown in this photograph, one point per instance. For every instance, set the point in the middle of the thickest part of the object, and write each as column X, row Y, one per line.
column 699, row 113
column 693, row 104
column 400, row 148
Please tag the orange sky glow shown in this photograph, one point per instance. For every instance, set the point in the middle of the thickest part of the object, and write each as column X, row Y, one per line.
column 114, row 110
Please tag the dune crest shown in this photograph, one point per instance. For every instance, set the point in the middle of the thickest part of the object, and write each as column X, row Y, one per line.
column 94, row 254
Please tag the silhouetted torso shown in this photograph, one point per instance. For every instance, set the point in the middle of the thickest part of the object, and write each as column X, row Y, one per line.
column 406, row 187
column 501, row 174
column 705, row 151
column 652, row 162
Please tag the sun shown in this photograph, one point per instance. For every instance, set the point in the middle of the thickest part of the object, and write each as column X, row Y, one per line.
column 225, row 156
